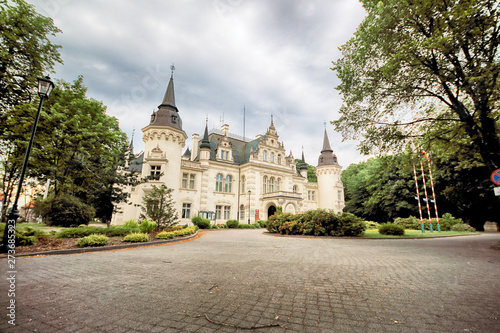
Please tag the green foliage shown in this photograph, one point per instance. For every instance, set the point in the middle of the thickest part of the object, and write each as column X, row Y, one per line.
column 159, row 206
column 447, row 221
column 136, row 237
column 113, row 231
column 201, row 222
column 232, row 223
column 248, row 226
column 316, row 222
column 93, row 240
column 28, row 236
column 64, row 211
column 371, row 225
column 132, row 224
column 262, row 223
column 147, row 226
column 462, row 227
column 391, row 229
column 311, row 171
column 165, row 235
column 26, row 51
column 177, row 233
column 405, row 57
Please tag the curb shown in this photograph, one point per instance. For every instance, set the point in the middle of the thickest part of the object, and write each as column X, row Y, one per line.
column 103, row 248
column 367, row 238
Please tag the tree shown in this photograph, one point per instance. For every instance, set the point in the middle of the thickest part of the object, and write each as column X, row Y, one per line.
column 26, row 51
column 311, row 171
column 158, row 206
column 77, row 146
column 409, row 56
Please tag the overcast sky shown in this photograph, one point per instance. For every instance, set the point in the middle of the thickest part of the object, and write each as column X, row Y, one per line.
column 269, row 57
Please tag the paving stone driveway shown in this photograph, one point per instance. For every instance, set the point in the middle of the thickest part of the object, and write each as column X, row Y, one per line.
column 230, row 280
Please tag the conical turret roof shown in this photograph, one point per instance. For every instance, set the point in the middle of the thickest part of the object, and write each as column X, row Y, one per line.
column 205, row 143
column 167, row 113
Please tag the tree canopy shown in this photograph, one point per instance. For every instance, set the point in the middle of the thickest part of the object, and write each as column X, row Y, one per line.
column 77, row 146
column 26, row 51
column 408, row 58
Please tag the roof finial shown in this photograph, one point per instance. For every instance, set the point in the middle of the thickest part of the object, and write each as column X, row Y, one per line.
column 324, row 124
column 172, row 68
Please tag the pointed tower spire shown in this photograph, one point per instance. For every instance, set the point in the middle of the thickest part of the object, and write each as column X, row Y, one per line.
column 169, row 98
column 326, row 143
column 327, row 156
column 131, row 147
column 303, row 165
column 205, row 143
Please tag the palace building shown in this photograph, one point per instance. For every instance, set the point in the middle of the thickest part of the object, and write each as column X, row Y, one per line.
column 225, row 176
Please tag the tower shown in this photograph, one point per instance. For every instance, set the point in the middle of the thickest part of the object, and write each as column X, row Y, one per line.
column 330, row 187
column 164, row 140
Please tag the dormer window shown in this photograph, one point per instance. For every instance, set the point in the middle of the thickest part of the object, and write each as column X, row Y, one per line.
column 174, row 119
column 264, row 155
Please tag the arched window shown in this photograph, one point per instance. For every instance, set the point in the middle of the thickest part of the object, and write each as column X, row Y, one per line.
column 264, row 185
column 243, row 181
column 272, row 157
column 278, row 185
column 264, row 155
column 228, row 184
column 295, row 188
column 279, row 158
column 242, row 212
column 271, row 185
column 218, row 183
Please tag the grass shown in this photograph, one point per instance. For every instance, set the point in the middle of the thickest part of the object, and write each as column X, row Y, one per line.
column 373, row 233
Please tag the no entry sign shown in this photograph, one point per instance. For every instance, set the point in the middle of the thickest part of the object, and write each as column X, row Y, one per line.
column 495, row 177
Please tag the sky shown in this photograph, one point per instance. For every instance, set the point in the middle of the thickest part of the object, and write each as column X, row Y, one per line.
column 232, row 57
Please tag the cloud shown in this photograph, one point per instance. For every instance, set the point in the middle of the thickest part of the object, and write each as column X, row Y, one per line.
column 271, row 57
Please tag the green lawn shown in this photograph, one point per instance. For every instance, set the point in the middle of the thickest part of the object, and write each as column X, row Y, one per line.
column 373, row 233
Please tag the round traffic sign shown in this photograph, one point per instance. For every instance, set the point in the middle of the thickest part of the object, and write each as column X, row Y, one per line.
column 495, row 177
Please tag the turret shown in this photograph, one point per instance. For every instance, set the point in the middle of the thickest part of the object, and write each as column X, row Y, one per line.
column 164, row 140
column 328, row 172
column 205, row 147
column 303, row 165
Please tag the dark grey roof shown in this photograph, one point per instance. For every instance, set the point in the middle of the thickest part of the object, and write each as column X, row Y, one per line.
column 167, row 113
column 205, row 142
column 241, row 149
column 327, row 156
column 187, row 152
column 136, row 163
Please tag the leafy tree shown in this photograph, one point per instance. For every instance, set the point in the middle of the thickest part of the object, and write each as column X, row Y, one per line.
column 158, row 206
column 409, row 56
column 77, row 146
column 311, row 171
column 26, row 51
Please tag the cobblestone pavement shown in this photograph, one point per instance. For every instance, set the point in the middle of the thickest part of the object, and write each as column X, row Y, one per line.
column 230, row 280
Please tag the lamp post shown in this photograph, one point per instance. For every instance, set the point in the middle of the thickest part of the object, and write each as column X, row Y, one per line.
column 249, row 192
column 45, row 86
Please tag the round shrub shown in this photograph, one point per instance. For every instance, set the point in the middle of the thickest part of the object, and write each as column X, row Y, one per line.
column 136, row 237
column 262, row 223
column 232, row 223
column 391, row 229
column 93, row 240
column 201, row 223
column 462, row 227
column 132, row 224
column 147, row 226
column 165, row 235
column 64, row 211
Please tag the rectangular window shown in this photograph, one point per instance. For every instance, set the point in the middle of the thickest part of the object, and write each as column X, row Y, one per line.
column 227, row 212
column 227, row 155
column 242, row 212
column 313, row 195
column 155, row 171
column 184, row 180
column 191, row 181
column 186, row 210
column 221, row 155
column 308, row 195
column 340, row 195
column 218, row 212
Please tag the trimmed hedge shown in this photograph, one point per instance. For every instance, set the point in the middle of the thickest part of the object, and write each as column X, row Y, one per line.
column 391, row 229
column 136, row 237
column 462, row 227
column 113, row 231
column 447, row 221
column 316, row 222
column 201, row 222
column 232, row 223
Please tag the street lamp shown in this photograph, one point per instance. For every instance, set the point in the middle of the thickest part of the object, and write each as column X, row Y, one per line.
column 45, row 86
column 249, row 192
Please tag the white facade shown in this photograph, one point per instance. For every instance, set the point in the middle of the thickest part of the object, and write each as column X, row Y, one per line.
column 226, row 177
